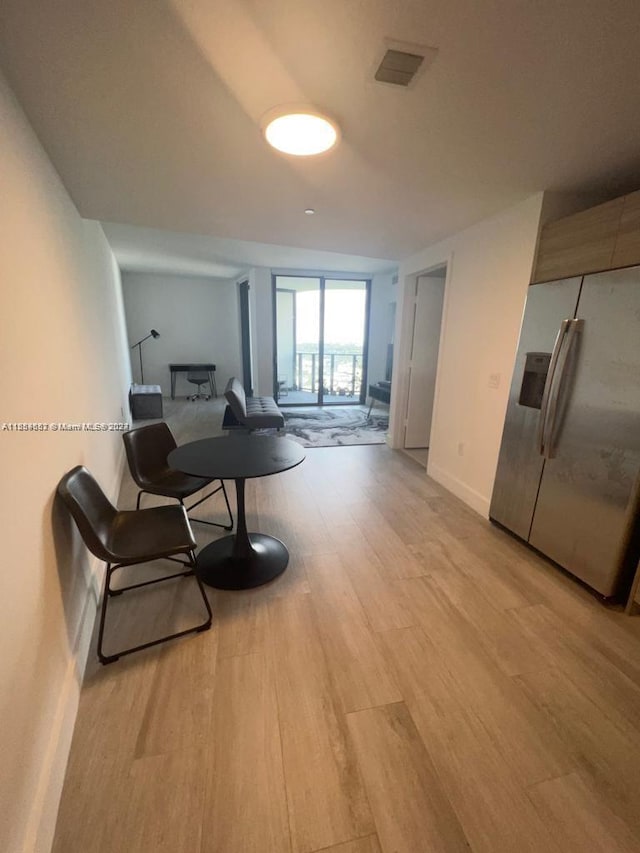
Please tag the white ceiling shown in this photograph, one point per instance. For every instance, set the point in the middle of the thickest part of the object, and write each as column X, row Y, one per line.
column 150, row 110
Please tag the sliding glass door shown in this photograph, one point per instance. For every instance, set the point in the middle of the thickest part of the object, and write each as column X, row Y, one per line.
column 297, row 301
column 321, row 340
column 344, row 337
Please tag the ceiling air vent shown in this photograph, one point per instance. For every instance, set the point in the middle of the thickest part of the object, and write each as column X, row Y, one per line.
column 401, row 63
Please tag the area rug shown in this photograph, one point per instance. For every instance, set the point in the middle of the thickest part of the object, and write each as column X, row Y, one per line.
column 336, row 425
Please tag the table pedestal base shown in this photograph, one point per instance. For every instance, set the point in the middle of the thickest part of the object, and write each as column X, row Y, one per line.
column 217, row 566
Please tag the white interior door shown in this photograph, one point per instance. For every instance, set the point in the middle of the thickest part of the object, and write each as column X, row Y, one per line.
column 427, row 320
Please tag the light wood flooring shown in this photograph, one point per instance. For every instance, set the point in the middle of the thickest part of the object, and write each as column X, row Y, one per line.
column 416, row 681
column 418, row 454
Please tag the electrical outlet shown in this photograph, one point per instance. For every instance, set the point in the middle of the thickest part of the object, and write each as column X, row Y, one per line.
column 461, row 448
column 494, row 380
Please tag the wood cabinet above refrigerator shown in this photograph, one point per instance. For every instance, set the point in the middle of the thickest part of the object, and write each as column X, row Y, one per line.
column 602, row 238
column 627, row 251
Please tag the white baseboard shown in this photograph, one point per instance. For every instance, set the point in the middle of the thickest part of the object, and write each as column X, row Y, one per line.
column 44, row 811
column 461, row 490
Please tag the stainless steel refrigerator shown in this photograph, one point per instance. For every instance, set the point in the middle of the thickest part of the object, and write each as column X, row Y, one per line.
column 568, row 477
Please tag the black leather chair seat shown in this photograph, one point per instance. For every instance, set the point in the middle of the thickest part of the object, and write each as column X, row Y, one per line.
column 149, row 534
column 175, row 484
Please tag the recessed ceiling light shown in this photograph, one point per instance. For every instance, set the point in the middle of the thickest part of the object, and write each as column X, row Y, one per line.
column 309, row 211
column 301, row 132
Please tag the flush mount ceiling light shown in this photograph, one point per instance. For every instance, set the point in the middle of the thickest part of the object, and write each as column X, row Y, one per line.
column 300, row 132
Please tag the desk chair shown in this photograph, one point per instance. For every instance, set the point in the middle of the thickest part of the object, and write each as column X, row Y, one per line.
column 128, row 539
column 147, row 449
column 199, row 378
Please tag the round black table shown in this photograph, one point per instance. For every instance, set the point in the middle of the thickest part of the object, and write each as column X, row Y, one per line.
column 243, row 560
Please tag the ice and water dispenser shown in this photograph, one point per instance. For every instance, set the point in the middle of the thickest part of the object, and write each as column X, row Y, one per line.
column 536, row 367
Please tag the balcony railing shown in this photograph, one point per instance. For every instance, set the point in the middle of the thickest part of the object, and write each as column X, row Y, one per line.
column 342, row 373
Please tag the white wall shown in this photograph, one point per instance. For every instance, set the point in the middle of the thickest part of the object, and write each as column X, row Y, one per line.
column 198, row 320
column 488, row 271
column 261, row 309
column 61, row 347
column 383, row 297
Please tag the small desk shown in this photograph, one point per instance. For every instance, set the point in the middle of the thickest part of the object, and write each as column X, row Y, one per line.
column 193, row 368
column 243, row 560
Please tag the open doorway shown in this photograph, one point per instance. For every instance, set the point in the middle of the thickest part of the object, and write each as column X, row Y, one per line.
column 423, row 362
column 321, row 330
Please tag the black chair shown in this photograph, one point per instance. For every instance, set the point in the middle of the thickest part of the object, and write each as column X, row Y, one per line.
column 199, row 378
column 128, row 539
column 147, row 449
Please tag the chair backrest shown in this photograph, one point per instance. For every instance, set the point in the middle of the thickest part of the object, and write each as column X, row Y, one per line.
column 92, row 511
column 198, row 377
column 234, row 392
column 147, row 449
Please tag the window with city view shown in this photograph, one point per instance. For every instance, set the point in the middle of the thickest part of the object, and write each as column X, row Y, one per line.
column 317, row 315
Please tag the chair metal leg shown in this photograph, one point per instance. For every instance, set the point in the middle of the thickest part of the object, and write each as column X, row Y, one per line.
column 108, row 592
column 103, row 614
column 203, row 593
column 226, row 500
column 140, row 494
column 197, row 503
column 212, row 523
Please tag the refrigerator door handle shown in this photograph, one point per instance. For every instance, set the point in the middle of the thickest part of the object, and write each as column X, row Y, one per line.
column 574, row 326
column 544, row 406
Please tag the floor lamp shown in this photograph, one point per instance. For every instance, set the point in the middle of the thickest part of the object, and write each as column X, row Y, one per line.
column 152, row 334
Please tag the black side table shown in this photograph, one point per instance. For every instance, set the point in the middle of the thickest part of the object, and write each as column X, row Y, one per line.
column 242, row 560
column 380, row 391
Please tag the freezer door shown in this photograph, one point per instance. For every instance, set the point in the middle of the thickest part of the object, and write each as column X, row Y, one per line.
column 586, row 502
column 520, row 462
